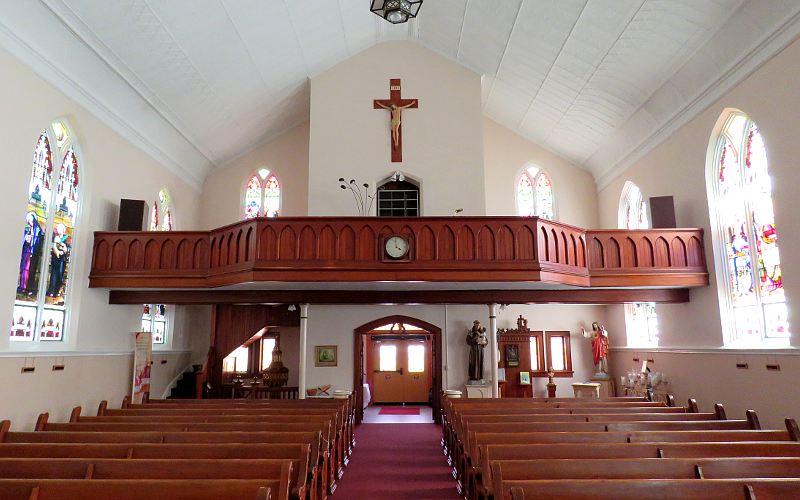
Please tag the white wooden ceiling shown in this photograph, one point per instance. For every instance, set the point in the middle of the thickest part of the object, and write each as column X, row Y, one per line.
column 592, row 80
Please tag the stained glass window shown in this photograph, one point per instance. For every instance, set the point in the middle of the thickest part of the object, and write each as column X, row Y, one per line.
column 154, row 316
column 641, row 319
column 262, row 195
column 40, row 304
column 755, row 308
column 535, row 194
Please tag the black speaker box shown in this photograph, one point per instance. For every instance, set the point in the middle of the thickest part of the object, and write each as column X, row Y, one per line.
column 131, row 215
column 662, row 212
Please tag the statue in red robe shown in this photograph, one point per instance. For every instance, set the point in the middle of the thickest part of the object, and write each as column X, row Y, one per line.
column 599, row 349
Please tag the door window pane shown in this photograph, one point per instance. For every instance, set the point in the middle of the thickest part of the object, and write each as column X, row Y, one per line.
column 416, row 358
column 388, row 358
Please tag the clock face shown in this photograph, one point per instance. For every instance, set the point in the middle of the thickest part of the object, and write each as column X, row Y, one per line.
column 396, row 247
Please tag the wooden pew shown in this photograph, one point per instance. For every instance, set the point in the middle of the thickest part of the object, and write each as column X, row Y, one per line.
column 318, row 464
column 637, row 489
column 138, row 489
column 82, row 468
column 301, row 453
column 642, row 468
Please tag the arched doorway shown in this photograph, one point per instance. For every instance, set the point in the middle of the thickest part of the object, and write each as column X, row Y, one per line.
column 379, row 327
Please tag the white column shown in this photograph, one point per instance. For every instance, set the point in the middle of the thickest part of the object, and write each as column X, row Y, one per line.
column 493, row 348
column 301, row 389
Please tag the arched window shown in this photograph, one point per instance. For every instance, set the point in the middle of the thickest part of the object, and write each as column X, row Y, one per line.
column 154, row 316
column 262, row 195
column 753, row 308
column 641, row 320
column 535, row 194
column 40, row 305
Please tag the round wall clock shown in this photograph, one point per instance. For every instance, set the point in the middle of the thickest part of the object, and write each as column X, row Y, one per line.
column 396, row 247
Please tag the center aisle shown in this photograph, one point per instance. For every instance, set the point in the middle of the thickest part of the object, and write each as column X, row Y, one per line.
column 397, row 462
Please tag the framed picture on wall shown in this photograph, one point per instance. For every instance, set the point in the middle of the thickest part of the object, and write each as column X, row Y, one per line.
column 325, row 355
column 524, row 378
column 512, row 355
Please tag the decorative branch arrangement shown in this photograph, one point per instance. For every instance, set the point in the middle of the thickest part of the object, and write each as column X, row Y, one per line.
column 363, row 199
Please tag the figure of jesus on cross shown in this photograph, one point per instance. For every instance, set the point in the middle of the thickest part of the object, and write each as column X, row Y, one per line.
column 396, row 104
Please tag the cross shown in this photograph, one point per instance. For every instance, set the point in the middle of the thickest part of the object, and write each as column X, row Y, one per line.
column 395, row 104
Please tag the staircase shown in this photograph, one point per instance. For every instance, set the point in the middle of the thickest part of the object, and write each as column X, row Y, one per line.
column 186, row 386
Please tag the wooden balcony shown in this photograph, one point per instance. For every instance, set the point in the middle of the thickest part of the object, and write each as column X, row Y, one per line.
column 442, row 249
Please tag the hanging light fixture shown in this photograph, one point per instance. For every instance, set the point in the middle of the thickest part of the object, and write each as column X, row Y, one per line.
column 396, row 11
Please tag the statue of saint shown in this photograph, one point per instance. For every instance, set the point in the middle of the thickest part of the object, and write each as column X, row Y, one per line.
column 599, row 348
column 397, row 118
column 477, row 340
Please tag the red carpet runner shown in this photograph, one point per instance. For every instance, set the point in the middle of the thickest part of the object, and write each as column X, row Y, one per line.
column 391, row 410
column 397, row 462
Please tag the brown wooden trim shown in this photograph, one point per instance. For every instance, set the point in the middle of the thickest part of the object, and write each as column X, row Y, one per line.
column 436, row 360
column 577, row 296
column 443, row 249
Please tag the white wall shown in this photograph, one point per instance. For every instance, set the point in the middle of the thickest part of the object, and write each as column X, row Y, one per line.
column 111, row 168
column 507, row 154
column 677, row 168
column 442, row 141
column 286, row 156
column 329, row 325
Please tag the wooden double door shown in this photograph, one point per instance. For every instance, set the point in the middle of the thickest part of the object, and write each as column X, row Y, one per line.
column 401, row 370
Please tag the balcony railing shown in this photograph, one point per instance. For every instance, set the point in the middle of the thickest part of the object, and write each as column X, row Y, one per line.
column 443, row 249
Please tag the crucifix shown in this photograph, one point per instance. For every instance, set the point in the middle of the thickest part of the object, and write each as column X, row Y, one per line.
column 395, row 104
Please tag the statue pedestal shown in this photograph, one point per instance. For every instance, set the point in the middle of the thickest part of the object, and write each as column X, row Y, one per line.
column 606, row 387
column 479, row 391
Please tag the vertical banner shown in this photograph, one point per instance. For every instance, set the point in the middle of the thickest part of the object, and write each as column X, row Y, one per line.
column 142, row 360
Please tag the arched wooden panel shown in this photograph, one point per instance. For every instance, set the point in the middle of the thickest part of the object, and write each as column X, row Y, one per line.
column 447, row 244
column 661, row 253
column 581, row 251
column 308, row 244
column 645, row 252
column 347, row 244
column 597, row 254
column 287, row 244
column 248, row 244
column 573, row 251
column 695, row 252
column 552, row 246
column 366, row 244
column 327, row 244
column 564, row 250
column 224, row 249
column 234, row 240
column 426, row 244
column 184, row 254
column 241, row 246
column 214, row 252
column 135, row 255
column 466, row 244
column 505, row 243
column 201, row 256
column 628, row 257
column 268, row 244
column 167, row 260
column 612, row 255
column 152, row 254
column 544, row 245
column 101, row 260
column 119, row 255
column 678, row 251
column 485, row 243
column 526, row 246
